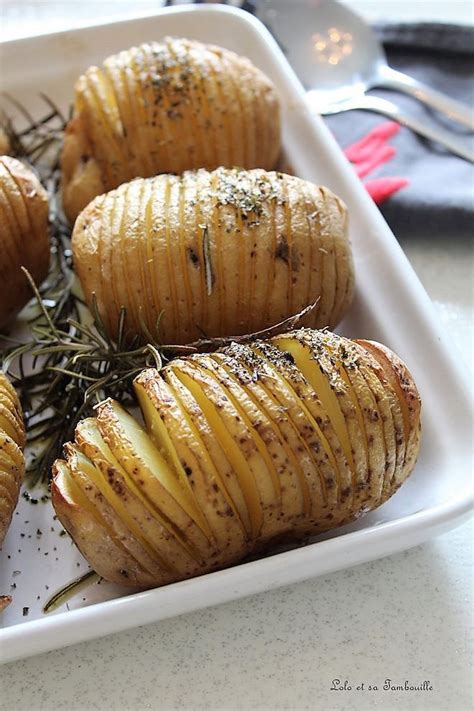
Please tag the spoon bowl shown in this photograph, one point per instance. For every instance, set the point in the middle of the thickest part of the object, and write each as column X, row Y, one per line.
column 331, row 48
column 338, row 57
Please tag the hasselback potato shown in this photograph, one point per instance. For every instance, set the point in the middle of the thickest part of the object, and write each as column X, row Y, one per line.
column 260, row 441
column 12, row 463
column 226, row 252
column 12, row 441
column 24, row 239
column 166, row 107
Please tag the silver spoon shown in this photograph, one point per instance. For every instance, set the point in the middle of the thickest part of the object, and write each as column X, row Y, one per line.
column 337, row 56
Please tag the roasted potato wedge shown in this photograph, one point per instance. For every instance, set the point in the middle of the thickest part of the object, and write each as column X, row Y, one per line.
column 271, row 440
column 221, row 253
column 166, row 107
column 24, row 239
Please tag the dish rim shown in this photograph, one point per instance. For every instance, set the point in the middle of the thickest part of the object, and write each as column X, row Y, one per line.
column 339, row 552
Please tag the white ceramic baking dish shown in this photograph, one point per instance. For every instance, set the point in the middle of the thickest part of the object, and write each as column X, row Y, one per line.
column 390, row 306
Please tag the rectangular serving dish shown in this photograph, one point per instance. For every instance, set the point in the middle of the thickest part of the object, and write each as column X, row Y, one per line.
column 390, row 306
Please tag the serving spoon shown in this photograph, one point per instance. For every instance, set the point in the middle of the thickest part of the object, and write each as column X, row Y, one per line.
column 338, row 58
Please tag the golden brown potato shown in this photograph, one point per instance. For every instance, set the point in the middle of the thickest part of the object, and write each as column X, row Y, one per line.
column 221, row 253
column 4, row 143
column 24, row 239
column 258, row 442
column 166, row 107
column 12, row 464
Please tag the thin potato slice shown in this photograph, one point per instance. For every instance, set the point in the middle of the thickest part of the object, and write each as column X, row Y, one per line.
column 236, row 438
column 248, row 368
column 6, row 492
column 383, row 404
column 23, row 234
column 10, row 447
column 372, row 433
column 172, row 434
column 313, row 449
column 257, row 424
column 12, row 461
column 364, row 461
column 156, row 529
column 202, row 431
column 9, row 423
column 113, row 512
column 403, row 384
column 323, row 439
column 135, row 451
column 291, row 495
column 8, row 391
column 395, row 409
column 15, row 414
column 10, row 477
column 97, row 543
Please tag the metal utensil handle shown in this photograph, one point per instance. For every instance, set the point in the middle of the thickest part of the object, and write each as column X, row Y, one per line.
column 455, row 110
column 382, row 106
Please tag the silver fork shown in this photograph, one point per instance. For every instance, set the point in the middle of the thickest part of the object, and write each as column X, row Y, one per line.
column 365, row 102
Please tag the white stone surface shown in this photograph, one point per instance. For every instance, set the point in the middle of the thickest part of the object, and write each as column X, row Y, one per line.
column 406, row 617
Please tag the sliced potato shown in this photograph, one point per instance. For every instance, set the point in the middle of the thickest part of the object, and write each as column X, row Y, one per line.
column 189, row 409
column 170, row 430
column 166, row 107
column 96, row 541
column 269, row 440
column 12, row 461
column 226, row 252
column 23, row 235
column 155, row 530
column 231, row 428
column 161, row 485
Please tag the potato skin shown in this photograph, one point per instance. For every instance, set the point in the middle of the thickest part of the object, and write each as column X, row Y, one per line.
column 226, row 252
column 265, row 406
column 5, row 146
column 166, row 107
column 12, row 442
column 24, row 239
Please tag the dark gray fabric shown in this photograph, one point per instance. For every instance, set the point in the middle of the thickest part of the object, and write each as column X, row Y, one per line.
column 436, row 36
column 439, row 199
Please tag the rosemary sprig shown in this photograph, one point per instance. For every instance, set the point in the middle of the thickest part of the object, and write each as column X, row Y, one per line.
column 208, row 271
column 74, row 367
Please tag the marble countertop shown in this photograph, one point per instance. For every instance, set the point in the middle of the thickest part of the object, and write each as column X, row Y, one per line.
column 403, row 618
